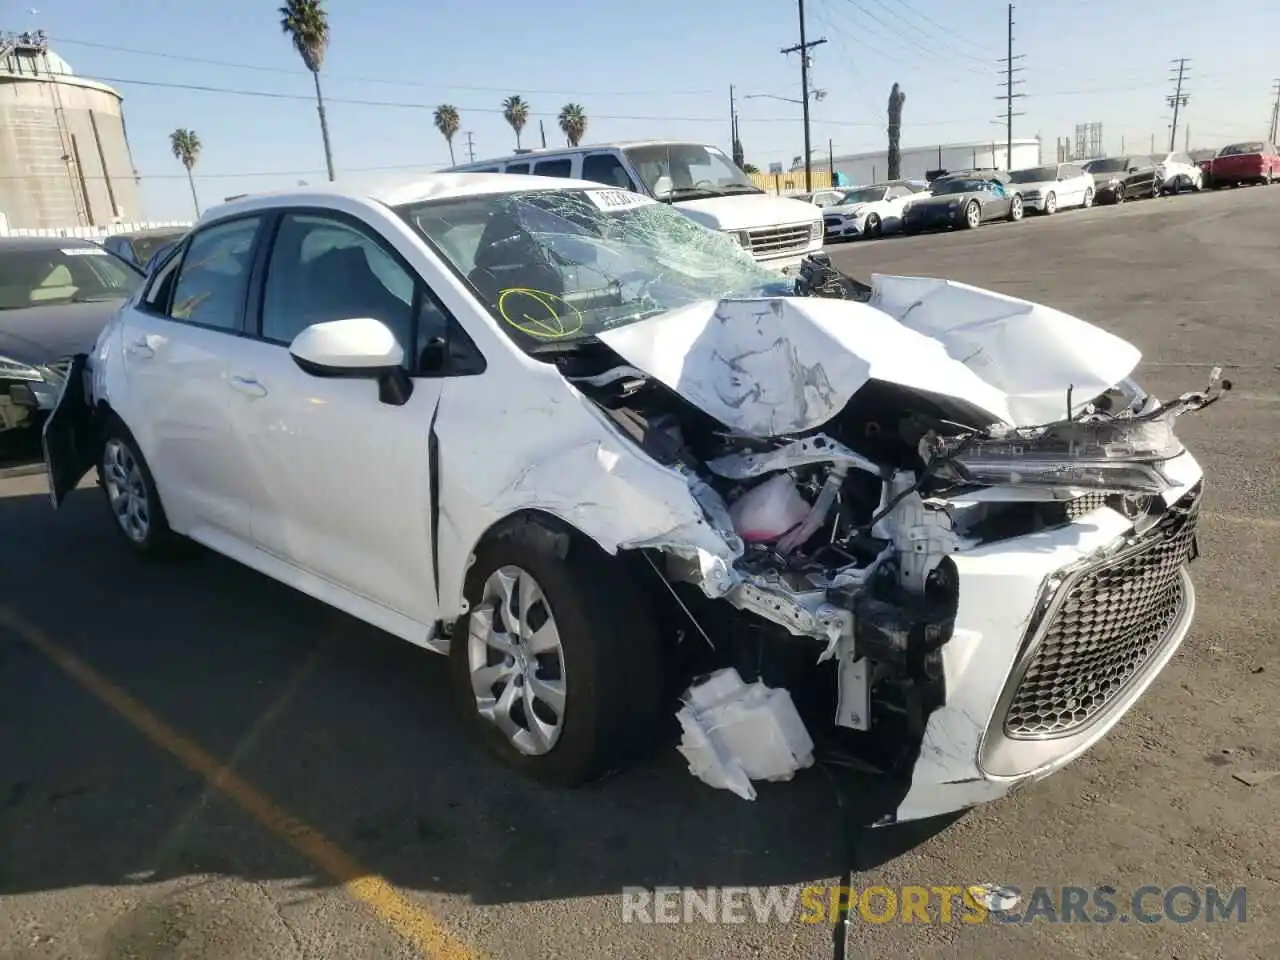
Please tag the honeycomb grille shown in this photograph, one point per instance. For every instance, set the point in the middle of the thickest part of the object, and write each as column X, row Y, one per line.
column 1104, row 630
column 1082, row 506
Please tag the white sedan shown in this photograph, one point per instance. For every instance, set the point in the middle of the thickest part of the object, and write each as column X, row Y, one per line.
column 575, row 441
column 1047, row 190
column 1178, row 172
column 867, row 211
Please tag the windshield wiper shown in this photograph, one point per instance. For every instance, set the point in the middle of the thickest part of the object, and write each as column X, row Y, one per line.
column 92, row 299
column 739, row 188
column 561, row 346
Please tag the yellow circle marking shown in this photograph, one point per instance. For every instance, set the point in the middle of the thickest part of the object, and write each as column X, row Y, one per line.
column 551, row 326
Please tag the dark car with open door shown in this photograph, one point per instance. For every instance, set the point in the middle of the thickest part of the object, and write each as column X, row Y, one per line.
column 1117, row 179
column 142, row 246
column 966, row 202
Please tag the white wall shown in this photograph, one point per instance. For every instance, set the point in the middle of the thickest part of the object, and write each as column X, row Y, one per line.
column 916, row 161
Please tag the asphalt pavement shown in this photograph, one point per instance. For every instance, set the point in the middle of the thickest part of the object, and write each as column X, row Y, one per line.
column 199, row 763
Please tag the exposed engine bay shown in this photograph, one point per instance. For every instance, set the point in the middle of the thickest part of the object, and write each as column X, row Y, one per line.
column 845, row 531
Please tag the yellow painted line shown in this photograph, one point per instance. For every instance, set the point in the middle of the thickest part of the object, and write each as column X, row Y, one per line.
column 412, row 922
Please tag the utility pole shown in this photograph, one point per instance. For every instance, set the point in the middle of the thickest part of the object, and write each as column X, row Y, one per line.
column 542, row 132
column 1009, row 96
column 1177, row 100
column 1275, row 114
column 831, row 162
column 803, row 48
column 471, row 147
column 734, row 149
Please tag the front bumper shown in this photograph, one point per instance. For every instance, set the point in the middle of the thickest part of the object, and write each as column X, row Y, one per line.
column 1033, row 201
column 1048, row 653
column 842, row 228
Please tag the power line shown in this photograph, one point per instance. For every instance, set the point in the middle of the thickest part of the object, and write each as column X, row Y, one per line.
column 233, row 65
column 949, row 31
column 803, row 48
column 902, row 36
column 1009, row 96
column 950, row 37
column 1177, row 100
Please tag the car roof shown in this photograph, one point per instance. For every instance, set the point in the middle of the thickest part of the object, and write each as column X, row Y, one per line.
column 435, row 186
column 543, row 152
column 11, row 244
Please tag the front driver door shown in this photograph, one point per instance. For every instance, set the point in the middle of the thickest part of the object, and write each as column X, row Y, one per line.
column 342, row 481
column 998, row 201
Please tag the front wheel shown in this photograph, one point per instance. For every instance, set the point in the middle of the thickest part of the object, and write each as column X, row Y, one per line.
column 873, row 227
column 972, row 215
column 557, row 664
column 1051, row 204
column 1119, row 194
column 131, row 494
column 1088, row 198
column 1015, row 209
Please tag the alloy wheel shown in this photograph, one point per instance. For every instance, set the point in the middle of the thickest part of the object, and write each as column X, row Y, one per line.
column 126, row 490
column 516, row 661
column 1051, row 203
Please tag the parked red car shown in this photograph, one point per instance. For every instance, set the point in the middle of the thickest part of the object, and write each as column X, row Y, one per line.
column 1252, row 162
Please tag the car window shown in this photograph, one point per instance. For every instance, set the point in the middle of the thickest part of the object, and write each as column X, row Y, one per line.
column 606, row 168
column 324, row 269
column 554, row 168
column 78, row 273
column 996, row 187
column 517, row 168
column 211, row 278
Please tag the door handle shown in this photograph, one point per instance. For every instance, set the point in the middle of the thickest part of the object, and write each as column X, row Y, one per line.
column 140, row 348
column 248, row 386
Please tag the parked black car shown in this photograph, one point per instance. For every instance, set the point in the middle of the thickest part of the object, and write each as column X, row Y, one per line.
column 1117, row 179
column 56, row 295
column 959, row 201
column 140, row 247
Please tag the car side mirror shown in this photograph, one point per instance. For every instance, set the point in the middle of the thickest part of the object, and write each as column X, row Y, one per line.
column 662, row 187
column 1133, row 169
column 360, row 348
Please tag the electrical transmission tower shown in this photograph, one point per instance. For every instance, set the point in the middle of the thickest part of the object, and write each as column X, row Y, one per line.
column 1009, row 96
column 803, row 48
column 471, row 147
column 1177, row 99
column 1275, row 113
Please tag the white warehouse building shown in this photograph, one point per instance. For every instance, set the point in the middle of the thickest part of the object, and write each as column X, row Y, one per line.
column 918, row 162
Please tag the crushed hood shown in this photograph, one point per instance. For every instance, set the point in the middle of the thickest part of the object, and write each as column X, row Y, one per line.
column 769, row 367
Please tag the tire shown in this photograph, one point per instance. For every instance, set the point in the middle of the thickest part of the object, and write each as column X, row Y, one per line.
column 606, row 667
column 1016, row 209
column 1088, row 198
column 972, row 215
column 1051, row 204
column 874, row 228
column 131, row 495
column 1119, row 194
column 1157, row 188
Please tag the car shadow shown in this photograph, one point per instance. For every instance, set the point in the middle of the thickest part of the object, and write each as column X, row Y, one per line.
column 348, row 729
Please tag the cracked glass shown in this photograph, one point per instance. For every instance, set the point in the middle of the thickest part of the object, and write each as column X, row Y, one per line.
column 564, row 265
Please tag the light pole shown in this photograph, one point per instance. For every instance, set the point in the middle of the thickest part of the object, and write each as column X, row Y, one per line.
column 809, row 151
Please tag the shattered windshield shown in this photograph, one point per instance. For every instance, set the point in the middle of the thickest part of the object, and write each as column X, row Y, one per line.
column 560, row 266
column 51, row 275
column 693, row 171
column 1034, row 175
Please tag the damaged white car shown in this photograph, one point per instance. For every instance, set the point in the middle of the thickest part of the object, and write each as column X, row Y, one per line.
column 595, row 452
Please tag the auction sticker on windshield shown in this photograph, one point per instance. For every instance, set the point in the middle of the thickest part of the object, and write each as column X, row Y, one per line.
column 83, row 252
column 618, row 199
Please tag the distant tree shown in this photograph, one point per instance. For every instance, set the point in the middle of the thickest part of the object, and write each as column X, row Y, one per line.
column 308, row 26
column 515, row 110
column 448, row 122
column 896, row 99
column 573, row 121
column 750, row 168
column 186, row 147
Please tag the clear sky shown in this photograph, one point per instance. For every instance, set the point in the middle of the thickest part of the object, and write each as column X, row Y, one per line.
column 641, row 72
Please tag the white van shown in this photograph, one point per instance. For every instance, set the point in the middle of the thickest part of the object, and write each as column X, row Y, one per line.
column 698, row 180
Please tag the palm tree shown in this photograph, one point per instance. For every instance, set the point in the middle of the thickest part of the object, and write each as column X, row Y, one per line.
column 516, row 112
column 573, row 121
column 308, row 25
column 896, row 99
column 186, row 147
column 447, row 122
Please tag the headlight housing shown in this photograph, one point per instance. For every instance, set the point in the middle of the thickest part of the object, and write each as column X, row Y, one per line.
column 816, row 230
column 741, row 237
column 13, row 370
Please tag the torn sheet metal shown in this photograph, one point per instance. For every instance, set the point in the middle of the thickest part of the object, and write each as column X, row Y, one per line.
column 1029, row 352
column 735, row 733
column 769, row 367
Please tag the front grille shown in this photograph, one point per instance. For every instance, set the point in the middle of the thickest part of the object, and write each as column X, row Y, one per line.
column 834, row 223
column 770, row 240
column 1104, row 628
column 1082, row 506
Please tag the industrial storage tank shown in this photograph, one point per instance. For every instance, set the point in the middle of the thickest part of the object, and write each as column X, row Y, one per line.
column 64, row 156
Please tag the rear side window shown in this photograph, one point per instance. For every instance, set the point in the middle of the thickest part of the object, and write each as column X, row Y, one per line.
column 517, row 168
column 210, row 287
column 554, row 168
column 606, row 168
